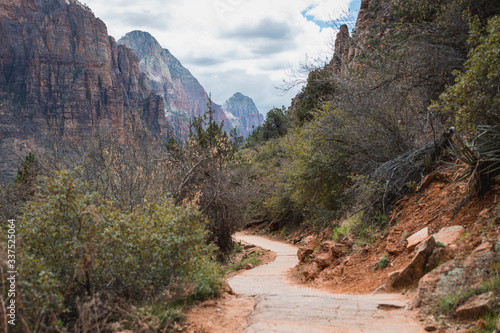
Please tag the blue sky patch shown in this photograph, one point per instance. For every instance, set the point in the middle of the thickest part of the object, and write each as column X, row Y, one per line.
column 349, row 18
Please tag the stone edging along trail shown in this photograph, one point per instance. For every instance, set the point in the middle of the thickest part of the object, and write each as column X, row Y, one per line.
column 281, row 306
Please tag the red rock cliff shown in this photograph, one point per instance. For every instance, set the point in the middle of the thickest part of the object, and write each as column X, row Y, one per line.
column 61, row 72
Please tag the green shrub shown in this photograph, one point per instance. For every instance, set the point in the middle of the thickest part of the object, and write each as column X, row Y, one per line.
column 316, row 175
column 474, row 97
column 39, row 300
column 383, row 262
column 92, row 247
column 252, row 259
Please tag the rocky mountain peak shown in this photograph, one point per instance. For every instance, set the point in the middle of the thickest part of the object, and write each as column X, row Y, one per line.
column 142, row 43
column 183, row 95
column 239, row 105
column 243, row 113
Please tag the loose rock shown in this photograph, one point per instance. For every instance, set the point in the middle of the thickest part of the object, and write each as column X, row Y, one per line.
column 395, row 241
column 247, row 266
column 312, row 271
column 304, row 252
column 475, row 306
column 324, row 259
column 448, row 235
column 485, row 247
column 415, row 269
column 209, row 304
column 417, row 238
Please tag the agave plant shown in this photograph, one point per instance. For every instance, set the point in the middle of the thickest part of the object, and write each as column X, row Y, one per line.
column 480, row 158
column 490, row 148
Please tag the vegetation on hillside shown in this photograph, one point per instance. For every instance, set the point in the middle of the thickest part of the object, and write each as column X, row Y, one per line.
column 359, row 138
column 122, row 231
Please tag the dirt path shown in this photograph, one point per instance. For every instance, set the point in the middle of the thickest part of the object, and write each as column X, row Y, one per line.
column 281, row 306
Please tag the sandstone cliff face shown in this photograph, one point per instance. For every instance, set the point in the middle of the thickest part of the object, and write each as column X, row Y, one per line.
column 61, row 73
column 348, row 48
column 183, row 95
column 242, row 113
column 341, row 52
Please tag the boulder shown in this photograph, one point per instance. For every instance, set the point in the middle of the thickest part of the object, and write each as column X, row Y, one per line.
column 449, row 235
column 457, row 274
column 312, row 271
column 475, row 306
column 305, row 252
column 415, row 269
column 417, row 238
column 324, row 259
column 439, row 255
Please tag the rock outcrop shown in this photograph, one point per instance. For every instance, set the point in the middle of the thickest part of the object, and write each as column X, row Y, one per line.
column 458, row 275
column 321, row 258
column 62, row 75
column 242, row 113
column 341, row 51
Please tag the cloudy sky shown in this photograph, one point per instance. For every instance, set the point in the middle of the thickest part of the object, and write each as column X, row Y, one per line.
column 249, row 46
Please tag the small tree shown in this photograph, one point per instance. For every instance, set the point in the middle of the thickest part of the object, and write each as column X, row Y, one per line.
column 200, row 173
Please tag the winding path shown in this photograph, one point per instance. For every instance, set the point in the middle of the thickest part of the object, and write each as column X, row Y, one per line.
column 281, row 306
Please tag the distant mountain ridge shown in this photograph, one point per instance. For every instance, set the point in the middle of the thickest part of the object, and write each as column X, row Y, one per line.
column 183, row 95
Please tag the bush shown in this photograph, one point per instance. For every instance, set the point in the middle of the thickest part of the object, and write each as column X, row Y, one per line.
column 317, row 174
column 383, row 262
column 275, row 126
column 39, row 300
column 200, row 172
column 92, row 247
column 474, row 97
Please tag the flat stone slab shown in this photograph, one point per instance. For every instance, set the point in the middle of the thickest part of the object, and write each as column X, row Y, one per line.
column 449, row 235
column 417, row 238
column 475, row 307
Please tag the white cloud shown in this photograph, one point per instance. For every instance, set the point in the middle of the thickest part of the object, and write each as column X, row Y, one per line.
column 231, row 45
